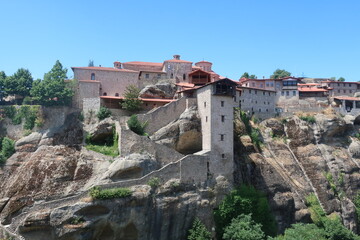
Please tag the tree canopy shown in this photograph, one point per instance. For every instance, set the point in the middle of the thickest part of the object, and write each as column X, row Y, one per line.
column 246, row 75
column 243, row 228
column 132, row 102
column 198, row 231
column 52, row 90
column 19, row 83
column 280, row 73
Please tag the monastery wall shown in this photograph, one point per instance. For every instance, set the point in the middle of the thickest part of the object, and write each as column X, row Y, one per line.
column 257, row 102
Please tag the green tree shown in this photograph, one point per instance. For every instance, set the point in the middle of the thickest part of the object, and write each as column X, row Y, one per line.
column 19, row 83
column 243, row 228
column 198, row 231
column 136, row 126
column 341, row 79
column 52, row 90
column 2, row 85
column 335, row 230
column 132, row 102
column 7, row 149
column 246, row 75
column 280, row 73
column 103, row 113
column 245, row 200
column 303, row 232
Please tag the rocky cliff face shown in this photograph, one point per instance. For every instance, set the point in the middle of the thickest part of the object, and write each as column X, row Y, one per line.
column 44, row 184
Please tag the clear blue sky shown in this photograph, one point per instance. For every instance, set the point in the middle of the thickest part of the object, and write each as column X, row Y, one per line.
column 312, row 38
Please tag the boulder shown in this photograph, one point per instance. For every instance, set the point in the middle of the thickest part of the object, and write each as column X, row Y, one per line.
column 299, row 132
column 151, row 91
column 354, row 148
column 331, row 126
column 132, row 166
column 275, row 125
column 28, row 143
column 184, row 134
column 102, row 131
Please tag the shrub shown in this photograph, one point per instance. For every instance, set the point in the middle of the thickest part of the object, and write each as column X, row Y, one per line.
column 309, row 119
column 244, row 200
column 7, row 149
column 302, row 231
column 318, row 215
column 136, row 126
column 243, row 228
column 198, row 231
column 131, row 102
column 97, row 193
column 27, row 101
column 103, row 113
column 154, row 182
column 10, row 111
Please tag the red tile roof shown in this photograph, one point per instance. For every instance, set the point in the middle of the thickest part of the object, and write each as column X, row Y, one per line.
column 144, row 63
column 184, row 84
column 104, row 69
column 142, row 99
column 312, row 89
column 347, row 98
column 204, row 62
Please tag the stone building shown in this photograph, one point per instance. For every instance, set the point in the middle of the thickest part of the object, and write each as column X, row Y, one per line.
column 337, row 88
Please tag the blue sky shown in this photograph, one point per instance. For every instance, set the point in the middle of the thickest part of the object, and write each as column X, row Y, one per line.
column 308, row 38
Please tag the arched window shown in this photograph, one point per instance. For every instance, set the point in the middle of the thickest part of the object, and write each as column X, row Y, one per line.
column 104, row 94
column 172, row 75
column 184, row 76
column 116, row 94
column 93, row 76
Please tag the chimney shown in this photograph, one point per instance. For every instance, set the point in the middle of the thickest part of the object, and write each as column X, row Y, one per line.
column 117, row 65
column 177, row 57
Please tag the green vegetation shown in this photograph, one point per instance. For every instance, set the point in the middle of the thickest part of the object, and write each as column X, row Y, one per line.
column 154, row 182
column 19, row 83
column 356, row 201
column 254, row 133
column 136, row 126
column 303, row 232
column 31, row 114
column 246, row 75
column 132, row 102
column 103, row 113
column 7, row 148
column 244, row 200
column 109, row 146
column 97, row 193
column 52, row 90
column 243, row 228
column 198, row 231
column 280, row 73
column 309, row 119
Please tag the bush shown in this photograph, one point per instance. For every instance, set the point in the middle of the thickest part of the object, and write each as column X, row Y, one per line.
column 309, row 119
column 10, row 111
column 243, row 228
column 27, row 101
column 103, row 113
column 97, row 193
column 318, row 215
column 244, row 200
column 132, row 102
column 154, row 182
column 302, row 231
column 136, row 126
column 7, row 149
column 198, row 231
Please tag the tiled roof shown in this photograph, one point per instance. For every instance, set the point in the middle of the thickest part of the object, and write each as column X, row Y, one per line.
column 177, row 60
column 312, row 89
column 199, row 70
column 144, row 63
column 142, row 99
column 308, row 84
column 104, row 69
column 185, row 84
column 347, row 98
column 204, row 62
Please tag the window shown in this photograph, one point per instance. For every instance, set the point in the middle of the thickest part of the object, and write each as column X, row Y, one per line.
column 255, row 102
column 222, row 118
column 282, row 93
column 249, row 91
column 222, row 137
column 267, row 110
column 147, row 76
column 172, row 76
column 116, row 94
column 159, row 76
column 294, row 93
column 267, row 84
column 263, row 93
column 264, row 103
column 93, row 76
column 287, row 93
column 222, row 155
column 104, row 94
column 349, row 84
column 259, row 110
column 269, row 93
column 271, row 84
column 261, row 85
column 338, row 91
column 350, row 91
column 204, row 104
column 222, row 103
column 255, row 91
column 184, row 76
column 338, row 84
column 344, row 91
column 253, row 84
column 206, row 118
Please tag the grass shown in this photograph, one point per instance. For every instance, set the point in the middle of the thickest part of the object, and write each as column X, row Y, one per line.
column 112, row 151
column 97, row 193
column 309, row 119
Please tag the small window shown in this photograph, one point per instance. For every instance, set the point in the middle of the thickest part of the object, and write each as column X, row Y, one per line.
column 263, row 93
column 147, row 76
column 338, row 84
column 269, row 93
column 222, row 118
column 221, row 137
column 344, row 91
column 294, row 93
column 255, row 102
column 287, row 93
column 259, row 110
column 104, row 94
column 350, row 91
column 253, row 84
column 249, row 91
column 206, row 118
column 222, row 155
column 204, row 104
column 159, row 76
column 172, row 75
column 267, row 110
column 222, row 103
column 184, row 76
column 338, row 91
column 116, row 94
column 255, row 91
column 282, row 93
column 93, row 76
column 349, row 84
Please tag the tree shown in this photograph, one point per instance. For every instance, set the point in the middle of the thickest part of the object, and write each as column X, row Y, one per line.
column 132, row 102
column 246, row 75
column 91, row 63
column 198, row 231
column 136, row 126
column 341, row 79
column 243, row 228
column 52, row 90
column 280, row 73
column 302, row 231
column 19, row 83
column 2, row 85
column 103, row 113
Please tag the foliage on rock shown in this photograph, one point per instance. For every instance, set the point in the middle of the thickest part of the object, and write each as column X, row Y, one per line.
column 97, row 193
column 136, row 126
column 243, row 228
column 7, row 149
column 103, row 113
column 198, row 231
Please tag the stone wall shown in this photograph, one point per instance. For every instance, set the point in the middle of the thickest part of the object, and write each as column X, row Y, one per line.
column 162, row 116
column 257, row 102
column 91, row 104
